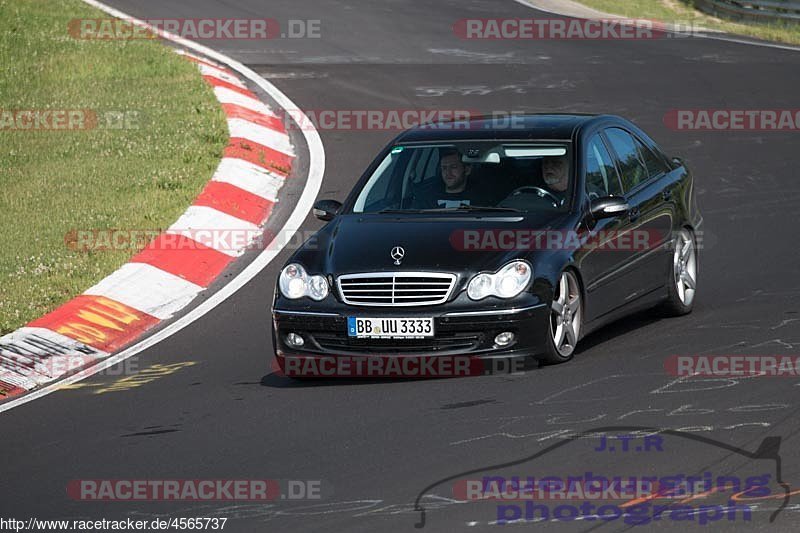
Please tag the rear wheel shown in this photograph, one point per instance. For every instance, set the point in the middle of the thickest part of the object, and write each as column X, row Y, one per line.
column 682, row 280
column 566, row 319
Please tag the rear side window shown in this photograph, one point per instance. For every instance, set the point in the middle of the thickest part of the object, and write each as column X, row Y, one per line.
column 633, row 170
column 655, row 165
column 601, row 175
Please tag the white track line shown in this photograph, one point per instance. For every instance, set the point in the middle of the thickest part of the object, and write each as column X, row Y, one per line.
column 304, row 204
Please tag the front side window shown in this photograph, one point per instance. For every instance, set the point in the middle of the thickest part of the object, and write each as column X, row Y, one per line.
column 602, row 178
column 470, row 175
column 633, row 170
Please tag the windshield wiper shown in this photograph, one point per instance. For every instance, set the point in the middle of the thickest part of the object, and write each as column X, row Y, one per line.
column 465, row 207
column 390, row 211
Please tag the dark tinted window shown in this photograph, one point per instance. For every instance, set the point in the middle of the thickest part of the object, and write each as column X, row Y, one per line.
column 655, row 165
column 632, row 168
column 432, row 168
column 420, row 167
column 521, row 176
column 601, row 175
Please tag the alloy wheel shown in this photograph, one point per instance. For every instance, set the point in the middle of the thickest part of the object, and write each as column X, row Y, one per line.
column 565, row 316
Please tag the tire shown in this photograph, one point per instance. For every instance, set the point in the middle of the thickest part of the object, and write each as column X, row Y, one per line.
column 566, row 320
column 682, row 275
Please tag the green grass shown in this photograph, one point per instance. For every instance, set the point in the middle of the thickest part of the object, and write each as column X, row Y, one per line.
column 682, row 11
column 52, row 182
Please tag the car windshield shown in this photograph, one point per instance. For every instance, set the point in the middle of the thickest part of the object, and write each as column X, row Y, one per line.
column 470, row 176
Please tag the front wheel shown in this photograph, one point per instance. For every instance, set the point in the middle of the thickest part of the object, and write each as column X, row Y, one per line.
column 566, row 319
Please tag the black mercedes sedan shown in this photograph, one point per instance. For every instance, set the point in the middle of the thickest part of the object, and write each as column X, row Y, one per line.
column 493, row 237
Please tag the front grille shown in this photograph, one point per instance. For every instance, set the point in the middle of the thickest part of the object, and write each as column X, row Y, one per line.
column 396, row 289
column 446, row 342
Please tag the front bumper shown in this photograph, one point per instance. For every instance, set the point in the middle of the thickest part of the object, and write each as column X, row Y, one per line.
column 458, row 331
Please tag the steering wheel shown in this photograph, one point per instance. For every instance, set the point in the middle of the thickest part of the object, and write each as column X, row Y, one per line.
column 538, row 190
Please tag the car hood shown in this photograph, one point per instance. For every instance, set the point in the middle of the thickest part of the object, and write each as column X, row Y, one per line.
column 364, row 243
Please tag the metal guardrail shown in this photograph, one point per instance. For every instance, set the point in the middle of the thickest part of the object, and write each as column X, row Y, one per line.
column 754, row 10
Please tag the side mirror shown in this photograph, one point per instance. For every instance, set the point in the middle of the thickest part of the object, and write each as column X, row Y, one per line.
column 327, row 209
column 609, row 206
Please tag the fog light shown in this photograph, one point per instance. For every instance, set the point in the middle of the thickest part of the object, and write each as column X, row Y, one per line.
column 505, row 338
column 294, row 340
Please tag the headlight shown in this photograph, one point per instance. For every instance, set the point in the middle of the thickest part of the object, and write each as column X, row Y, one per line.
column 295, row 283
column 507, row 282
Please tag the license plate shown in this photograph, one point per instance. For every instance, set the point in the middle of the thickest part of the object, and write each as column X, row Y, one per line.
column 389, row 328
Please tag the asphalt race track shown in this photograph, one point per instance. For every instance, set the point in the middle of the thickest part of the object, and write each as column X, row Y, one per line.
column 376, row 446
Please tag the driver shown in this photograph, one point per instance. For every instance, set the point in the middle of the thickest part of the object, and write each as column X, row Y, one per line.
column 555, row 172
column 454, row 189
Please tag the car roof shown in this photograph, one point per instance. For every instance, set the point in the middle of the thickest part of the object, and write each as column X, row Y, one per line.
column 529, row 126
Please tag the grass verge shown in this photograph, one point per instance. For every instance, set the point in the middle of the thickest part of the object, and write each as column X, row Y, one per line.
column 159, row 137
column 682, row 11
